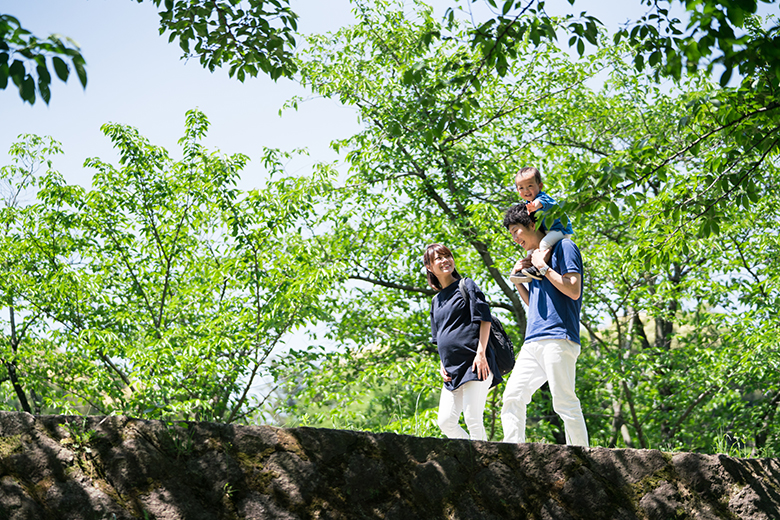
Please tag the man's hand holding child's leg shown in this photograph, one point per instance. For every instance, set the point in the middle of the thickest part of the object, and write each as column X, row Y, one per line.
column 517, row 275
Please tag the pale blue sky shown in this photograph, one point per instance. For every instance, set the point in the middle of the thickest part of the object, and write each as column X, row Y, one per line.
column 136, row 77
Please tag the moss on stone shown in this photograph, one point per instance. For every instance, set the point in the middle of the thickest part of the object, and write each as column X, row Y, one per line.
column 649, row 483
column 291, row 444
column 10, row 445
column 310, row 474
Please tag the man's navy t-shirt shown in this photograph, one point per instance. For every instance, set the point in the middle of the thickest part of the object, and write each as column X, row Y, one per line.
column 552, row 314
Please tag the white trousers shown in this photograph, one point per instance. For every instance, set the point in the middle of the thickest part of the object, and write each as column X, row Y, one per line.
column 552, row 360
column 468, row 398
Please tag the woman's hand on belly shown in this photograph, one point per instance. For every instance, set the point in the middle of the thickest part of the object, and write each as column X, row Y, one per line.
column 444, row 375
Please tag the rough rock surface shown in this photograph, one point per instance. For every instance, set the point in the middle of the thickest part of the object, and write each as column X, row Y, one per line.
column 58, row 467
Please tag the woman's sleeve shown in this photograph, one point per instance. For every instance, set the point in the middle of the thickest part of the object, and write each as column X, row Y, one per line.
column 480, row 310
column 434, row 340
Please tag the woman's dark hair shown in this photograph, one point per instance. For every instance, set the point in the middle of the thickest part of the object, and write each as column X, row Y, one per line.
column 430, row 253
column 518, row 214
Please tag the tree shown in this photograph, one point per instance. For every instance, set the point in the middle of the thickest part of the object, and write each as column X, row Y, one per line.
column 250, row 36
column 19, row 49
column 719, row 34
column 666, row 361
column 20, row 339
column 163, row 292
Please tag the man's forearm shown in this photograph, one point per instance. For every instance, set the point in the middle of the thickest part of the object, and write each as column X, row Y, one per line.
column 569, row 284
column 523, row 290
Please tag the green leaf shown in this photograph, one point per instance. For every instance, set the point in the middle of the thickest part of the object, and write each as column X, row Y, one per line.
column 507, row 6
column 43, row 89
column 639, row 62
column 613, row 209
column 78, row 64
column 27, row 89
column 16, row 71
column 725, row 77
column 61, row 68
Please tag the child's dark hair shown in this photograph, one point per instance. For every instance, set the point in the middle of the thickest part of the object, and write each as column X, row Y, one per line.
column 526, row 169
column 518, row 214
column 430, row 253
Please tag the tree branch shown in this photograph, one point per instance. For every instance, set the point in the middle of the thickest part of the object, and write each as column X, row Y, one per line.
column 393, row 285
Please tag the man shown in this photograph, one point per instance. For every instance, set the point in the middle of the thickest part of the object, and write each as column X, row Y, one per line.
column 552, row 337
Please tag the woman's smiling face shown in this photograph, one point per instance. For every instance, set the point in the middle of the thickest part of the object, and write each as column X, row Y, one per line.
column 442, row 265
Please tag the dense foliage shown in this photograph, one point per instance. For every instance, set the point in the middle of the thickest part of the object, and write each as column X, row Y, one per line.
column 250, row 37
column 671, row 195
column 165, row 291
column 161, row 292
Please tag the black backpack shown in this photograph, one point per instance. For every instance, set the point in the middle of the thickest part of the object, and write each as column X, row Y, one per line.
column 499, row 340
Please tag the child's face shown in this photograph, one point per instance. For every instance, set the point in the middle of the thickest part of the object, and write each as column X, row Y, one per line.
column 527, row 186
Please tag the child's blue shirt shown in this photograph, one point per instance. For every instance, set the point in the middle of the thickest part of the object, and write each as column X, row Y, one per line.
column 547, row 203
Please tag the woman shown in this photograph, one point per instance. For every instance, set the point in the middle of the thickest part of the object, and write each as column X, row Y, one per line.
column 460, row 328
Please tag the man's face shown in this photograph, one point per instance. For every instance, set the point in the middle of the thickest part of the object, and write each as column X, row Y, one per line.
column 527, row 186
column 524, row 236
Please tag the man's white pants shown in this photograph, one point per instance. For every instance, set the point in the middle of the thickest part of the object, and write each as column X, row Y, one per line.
column 468, row 398
column 552, row 360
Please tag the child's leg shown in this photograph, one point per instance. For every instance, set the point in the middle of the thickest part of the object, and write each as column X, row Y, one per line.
column 549, row 240
column 545, row 246
column 516, row 273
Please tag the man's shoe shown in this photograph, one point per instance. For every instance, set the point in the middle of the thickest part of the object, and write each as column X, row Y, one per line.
column 533, row 272
column 519, row 277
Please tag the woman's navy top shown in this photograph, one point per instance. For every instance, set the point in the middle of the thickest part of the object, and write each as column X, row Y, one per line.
column 455, row 331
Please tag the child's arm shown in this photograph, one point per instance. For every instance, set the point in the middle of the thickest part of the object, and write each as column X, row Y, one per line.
column 544, row 202
column 534, row 205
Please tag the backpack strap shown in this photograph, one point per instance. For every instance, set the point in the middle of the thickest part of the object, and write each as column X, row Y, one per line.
column 462, row 287
column 464, row 293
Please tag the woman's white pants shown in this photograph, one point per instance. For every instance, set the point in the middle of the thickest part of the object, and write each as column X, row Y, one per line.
column 469, row 398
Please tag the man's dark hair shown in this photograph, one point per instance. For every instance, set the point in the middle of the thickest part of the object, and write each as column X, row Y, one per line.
column 518, row 214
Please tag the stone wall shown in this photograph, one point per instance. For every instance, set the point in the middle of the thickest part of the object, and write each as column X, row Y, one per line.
column 58, row 467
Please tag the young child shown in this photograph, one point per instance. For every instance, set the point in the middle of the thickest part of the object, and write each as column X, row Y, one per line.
column 528, row 182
